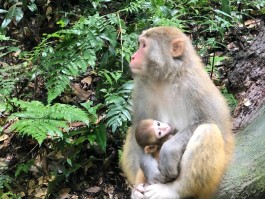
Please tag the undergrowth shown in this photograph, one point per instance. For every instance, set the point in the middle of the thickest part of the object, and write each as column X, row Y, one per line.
column 97, row 41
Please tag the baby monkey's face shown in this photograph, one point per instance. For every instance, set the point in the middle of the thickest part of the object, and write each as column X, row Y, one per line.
column 161, row 130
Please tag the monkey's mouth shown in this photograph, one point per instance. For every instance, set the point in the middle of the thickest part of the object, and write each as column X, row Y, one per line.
column 135, row 69
column 173, row 131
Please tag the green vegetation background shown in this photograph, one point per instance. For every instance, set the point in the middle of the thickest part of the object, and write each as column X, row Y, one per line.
column 96, row 39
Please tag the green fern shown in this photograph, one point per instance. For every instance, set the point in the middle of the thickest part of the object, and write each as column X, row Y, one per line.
column 119, row 106
column 129, row 46
column 9, row 75
column 40, row 121
column 75, row 51
column 4, row 180
column 135, row 6
column 24, row 168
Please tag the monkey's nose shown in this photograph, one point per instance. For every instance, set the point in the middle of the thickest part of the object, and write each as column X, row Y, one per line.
column 164, row 128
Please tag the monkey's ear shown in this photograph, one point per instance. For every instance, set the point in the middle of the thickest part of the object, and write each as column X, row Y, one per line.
column 177, row 47
column 150, row 149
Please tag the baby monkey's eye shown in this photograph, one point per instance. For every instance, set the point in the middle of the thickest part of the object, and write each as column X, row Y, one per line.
column 159, row 133
column 158, row 123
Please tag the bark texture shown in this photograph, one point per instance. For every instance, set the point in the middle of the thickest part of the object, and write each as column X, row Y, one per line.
column 247, row 76
column 245, row 178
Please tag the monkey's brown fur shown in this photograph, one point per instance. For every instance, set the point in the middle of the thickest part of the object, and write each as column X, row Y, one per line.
column 143, row 134
column 171, row 85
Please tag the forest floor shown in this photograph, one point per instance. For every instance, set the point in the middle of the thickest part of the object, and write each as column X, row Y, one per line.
column 102, row 177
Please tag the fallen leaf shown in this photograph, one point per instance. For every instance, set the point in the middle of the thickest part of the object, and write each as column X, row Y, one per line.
column 87, row 80
column 93, row 189
column 81, row 94
column 252, row 23
column 40, row 193
column 64, row 193
column 49, row 11
column 77, row 124
column 3, row 137
column 247, row 102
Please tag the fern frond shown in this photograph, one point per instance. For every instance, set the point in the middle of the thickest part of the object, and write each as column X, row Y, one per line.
column 135, row 6
column 9, row 76
column 75, row 52
column 56, row 86
column 119, row 107
column 40, row 121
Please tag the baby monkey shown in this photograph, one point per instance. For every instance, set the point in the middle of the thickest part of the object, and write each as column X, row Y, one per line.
column 150, row 135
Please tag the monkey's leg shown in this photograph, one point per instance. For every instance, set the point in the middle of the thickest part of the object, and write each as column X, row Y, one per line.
column 130, row 159
column 202, row 167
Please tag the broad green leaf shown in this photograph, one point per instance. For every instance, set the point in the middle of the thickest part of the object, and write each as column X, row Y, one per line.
column 69, row 161
column 32, row 7
column 5, row 22
column 101, row 136
column 226, row 7
column 18, row 14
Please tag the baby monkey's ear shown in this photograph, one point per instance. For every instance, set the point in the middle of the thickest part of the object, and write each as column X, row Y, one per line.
column 150, row 149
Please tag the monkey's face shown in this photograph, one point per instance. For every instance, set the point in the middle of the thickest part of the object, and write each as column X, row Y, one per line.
column 157, row 53
column 138, row 60
column 161, row 130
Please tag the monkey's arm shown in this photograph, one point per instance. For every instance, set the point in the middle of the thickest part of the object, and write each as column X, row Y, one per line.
column 138, row 190
column 140, row 178
column 172, row 151
column 149, row 165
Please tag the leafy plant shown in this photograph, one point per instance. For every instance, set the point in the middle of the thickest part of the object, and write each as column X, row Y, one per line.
column 4, row 50
column 39, row 121
column 232, row 102
column 14, row 12
column 10, row 76
column 119, row 107
column 5, row 182
column 75, row 50
column 211, row 67
column 117, row 101
column 23, row 168
column 10, row 195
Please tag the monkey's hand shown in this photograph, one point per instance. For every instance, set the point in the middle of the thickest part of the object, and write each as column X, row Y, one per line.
column 138, row 192
column 149, row 165
column 161, row 191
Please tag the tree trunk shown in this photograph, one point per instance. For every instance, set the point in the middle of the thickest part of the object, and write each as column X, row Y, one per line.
column 247, row 79
column 245, row 178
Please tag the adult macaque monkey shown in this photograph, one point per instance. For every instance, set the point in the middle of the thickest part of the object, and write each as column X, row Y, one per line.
column 171, row 85
column 150, row 135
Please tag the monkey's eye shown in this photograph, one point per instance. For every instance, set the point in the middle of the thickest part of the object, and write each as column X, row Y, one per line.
column 159, row 133
column 144, row 45
column 158, row 123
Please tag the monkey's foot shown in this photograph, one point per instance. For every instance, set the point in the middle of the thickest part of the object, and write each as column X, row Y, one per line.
column 161, row 191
